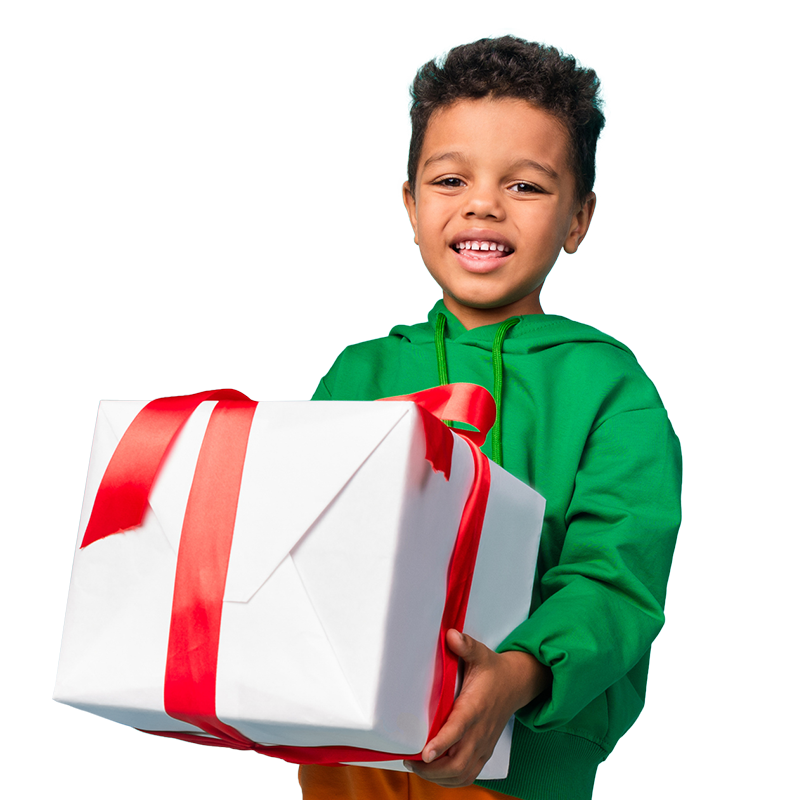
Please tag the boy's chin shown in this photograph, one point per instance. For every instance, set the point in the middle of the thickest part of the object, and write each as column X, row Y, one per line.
column 479, row 301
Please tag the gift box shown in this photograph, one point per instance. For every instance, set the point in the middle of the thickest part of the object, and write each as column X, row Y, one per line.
column 290, row 574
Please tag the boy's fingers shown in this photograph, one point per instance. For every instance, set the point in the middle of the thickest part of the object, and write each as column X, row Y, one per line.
column 443, row 740
column 433, row 751
column 451, row 732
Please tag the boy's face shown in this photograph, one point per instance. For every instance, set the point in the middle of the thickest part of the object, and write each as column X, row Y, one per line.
column 494, row 205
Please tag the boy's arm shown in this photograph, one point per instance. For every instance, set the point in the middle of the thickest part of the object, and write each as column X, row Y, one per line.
column 604, row 600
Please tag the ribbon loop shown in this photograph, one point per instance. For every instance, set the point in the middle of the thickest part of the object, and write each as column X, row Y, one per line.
column 458, row 402
column 122, row 497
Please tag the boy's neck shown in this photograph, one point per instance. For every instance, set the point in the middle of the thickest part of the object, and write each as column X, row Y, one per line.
column 471, row 317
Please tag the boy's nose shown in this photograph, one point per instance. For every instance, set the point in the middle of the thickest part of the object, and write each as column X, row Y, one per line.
column 483, row 202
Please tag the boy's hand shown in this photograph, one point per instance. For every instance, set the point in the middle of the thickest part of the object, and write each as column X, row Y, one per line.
column 495, row 686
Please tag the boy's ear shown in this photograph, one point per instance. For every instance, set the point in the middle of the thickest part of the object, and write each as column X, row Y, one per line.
column 411, row 206
column 580, row 223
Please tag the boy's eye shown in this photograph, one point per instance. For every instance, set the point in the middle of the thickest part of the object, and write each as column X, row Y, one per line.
column 450, row 182
column 525, row 188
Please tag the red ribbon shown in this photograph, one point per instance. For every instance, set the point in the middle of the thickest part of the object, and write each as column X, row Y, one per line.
column 190, row 679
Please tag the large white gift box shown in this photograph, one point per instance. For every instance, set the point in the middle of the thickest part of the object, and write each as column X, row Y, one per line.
column 335, row 587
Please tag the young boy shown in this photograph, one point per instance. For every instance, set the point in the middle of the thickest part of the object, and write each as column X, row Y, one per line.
column 500, row 173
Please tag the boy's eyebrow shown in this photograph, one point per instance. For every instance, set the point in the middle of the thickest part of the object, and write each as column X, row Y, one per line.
column 522, row 162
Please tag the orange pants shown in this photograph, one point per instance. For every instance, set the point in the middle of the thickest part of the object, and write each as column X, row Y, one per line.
column 364, row 783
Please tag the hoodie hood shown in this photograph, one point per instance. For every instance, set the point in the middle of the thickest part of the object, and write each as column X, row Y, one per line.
column 527, row 333
column 533, row 333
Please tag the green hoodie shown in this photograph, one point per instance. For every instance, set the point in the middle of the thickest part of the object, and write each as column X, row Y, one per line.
column 583, row 424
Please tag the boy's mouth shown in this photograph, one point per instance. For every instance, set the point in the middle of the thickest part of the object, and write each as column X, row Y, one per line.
column 480, row 252
column 482, row 249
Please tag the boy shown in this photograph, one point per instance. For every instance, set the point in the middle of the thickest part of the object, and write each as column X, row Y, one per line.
column 500, row 172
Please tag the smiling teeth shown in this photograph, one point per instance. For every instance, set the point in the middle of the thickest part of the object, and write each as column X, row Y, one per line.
column 481, row 245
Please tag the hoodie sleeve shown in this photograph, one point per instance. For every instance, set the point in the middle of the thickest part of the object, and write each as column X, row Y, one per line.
column 322, row 392
column 328, row 381
column 604, row 600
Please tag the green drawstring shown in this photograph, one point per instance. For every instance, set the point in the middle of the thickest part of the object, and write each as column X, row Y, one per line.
column 497, row 369
column 441, row 355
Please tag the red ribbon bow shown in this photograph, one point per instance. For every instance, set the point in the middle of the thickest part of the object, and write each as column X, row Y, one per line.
column 190, row 679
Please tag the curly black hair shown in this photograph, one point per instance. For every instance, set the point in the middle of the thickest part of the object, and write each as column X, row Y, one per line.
column 511, row 67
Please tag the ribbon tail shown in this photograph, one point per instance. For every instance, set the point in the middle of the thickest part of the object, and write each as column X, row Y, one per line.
column 474, row 405
column 459, row 582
